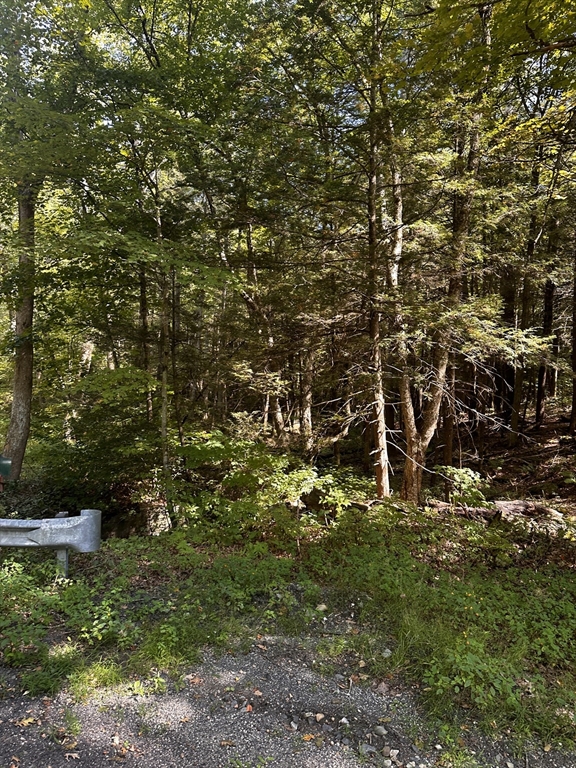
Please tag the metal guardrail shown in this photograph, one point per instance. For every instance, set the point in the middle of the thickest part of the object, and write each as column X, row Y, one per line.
column 78, row 534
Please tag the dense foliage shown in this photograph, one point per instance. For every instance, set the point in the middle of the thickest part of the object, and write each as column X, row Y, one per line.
column 323, row 226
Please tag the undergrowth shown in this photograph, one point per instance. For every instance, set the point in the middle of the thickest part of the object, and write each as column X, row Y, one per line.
column 483, row 618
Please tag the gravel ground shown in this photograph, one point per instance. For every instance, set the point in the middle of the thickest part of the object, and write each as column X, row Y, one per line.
column 265, row 707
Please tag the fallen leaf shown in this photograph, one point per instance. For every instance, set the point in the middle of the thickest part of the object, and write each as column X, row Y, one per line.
column 185, row 720
column 72, row 756
column 547, row 747
column 308, row 736
column 26, row 721
column 257, row 692
column 227, row 743
column 249, row 707
column 262, row 647
column 194, row 679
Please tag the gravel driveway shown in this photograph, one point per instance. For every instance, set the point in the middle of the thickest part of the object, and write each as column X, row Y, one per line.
column 265, row 707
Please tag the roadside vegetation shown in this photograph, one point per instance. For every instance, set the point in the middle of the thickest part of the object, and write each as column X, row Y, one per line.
column 480, row 615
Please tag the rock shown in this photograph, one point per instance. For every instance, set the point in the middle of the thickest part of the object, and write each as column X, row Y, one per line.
column 394, row 753
column 294, row 725
column 344, row 721
column 321, row 607
column 327, row 728
column 382, row 689
column 387, row 763
column 387, row 752
column 366, row 749
column 509, row 765
column 346, row 742
column 438, row 746
column 380, row 730
column 320, row 717
column 339, row 678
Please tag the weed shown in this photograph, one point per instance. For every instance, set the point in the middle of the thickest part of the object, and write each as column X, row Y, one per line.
column 447, row 602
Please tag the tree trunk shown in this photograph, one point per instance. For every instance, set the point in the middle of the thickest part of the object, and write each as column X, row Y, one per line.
column 380, row 453
column 573, row 355
column 19, row 427
column 543, row 388
column 306, row 381
column 418, row 440
column 145, row 335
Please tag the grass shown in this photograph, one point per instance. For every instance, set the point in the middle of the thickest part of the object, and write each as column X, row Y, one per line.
column 481, row 618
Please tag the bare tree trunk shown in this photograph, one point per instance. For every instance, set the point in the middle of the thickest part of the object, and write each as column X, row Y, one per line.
column 380, row 452
column 573, row 353
column 306, row 379
column 145, row 335
column 19, row 427
column 174, row 342
column 418, row 440
column 543, row 387
column 526, row 300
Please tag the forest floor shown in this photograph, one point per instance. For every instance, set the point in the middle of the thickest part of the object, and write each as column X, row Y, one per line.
column 541, row 466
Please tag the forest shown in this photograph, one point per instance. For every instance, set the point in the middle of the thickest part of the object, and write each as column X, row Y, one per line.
column 340, row 231
column 268, row 266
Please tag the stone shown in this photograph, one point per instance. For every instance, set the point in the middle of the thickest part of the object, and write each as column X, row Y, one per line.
column 319, row 717
column 344, row 721
column 366, row 749
column 380, row 730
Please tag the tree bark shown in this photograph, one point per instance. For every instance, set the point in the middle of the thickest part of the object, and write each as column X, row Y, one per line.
column 380, row 452
column 418, row 440
column 543, row 388
column 573, row 353
column 19, row 427
column 306, row 381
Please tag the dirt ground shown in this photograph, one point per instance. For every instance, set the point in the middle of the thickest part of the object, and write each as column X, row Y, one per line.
column 247, row 710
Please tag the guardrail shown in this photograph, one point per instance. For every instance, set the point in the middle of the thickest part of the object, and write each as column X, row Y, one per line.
column 78, row 534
